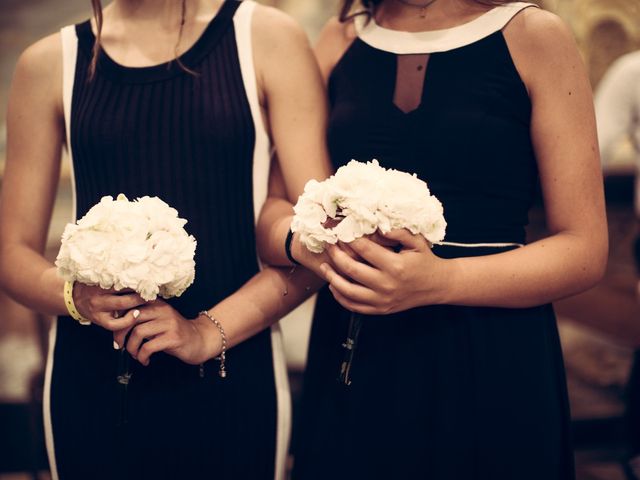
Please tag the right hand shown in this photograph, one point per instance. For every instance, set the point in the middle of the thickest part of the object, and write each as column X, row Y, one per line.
column 307, row 258
column 105, row 307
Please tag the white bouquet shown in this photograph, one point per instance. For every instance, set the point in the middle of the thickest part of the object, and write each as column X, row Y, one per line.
column 362, row 198
column 139, row 245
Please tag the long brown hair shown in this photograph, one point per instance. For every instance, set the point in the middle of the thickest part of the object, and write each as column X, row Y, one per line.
column 98, row 18
column 369, row 5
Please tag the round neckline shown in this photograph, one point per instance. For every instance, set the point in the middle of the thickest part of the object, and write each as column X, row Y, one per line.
column 160, row 71
column 440, row 40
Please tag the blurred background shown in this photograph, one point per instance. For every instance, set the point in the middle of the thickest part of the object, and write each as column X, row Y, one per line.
column 600, row 329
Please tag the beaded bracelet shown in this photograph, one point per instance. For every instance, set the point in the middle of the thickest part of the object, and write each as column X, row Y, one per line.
column 222, row 372
column 71, row 306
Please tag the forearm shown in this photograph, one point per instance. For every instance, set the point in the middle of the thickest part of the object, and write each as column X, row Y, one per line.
column 272, row 230
column 31, row 280
column 259, row 303
column 547, row 270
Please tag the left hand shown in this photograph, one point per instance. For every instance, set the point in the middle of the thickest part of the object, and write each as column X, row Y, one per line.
column 166, row 330
column 384, row 281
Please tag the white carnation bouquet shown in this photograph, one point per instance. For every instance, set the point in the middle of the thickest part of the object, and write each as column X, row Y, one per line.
column 139, row 245
column 362, row 198
column 358, row 200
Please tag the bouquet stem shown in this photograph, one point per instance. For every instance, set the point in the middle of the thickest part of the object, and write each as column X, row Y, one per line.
column 349, row 345
column 124, row 376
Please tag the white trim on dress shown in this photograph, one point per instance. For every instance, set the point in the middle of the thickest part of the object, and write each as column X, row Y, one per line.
column 69, row 56
column 261, row 162
column 401, row 42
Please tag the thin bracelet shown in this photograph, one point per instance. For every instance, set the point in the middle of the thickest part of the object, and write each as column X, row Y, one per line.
column 222, row 372
column 287, row 248
column 71, row 306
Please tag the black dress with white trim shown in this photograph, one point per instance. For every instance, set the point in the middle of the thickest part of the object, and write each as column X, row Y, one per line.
column 439, row 392
column 197, row 141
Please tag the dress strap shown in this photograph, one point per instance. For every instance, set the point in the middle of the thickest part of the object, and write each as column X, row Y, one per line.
column 242, row 22
column 262, row 155
column 69, row 57
column 401, row 42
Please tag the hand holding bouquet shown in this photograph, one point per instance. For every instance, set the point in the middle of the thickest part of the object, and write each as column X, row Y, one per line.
column 137, row 245
column 359, row 200
column 129, row 246
column 362, row 198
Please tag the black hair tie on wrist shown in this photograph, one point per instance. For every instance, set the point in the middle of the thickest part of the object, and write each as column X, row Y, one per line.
column 287, row 248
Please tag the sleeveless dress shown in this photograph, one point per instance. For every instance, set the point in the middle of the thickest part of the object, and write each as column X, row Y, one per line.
column 439, row 392
column 196, row 141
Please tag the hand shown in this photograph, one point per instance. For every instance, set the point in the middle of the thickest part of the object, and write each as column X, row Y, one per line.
column 158, row 327
column 102, row 306
column 306, row 258
column 384, row 281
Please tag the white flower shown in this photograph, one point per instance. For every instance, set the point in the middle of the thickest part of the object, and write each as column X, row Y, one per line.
column 139, row 245
column 362, row 198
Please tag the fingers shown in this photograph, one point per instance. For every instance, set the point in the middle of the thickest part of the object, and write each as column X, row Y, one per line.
column 117, row 302
column 373, row 253
column 350, row 290
column 351, row 305
column 120, row 334
column 352, row 268
column 381, row 240
column 407, row 239
column 142, row 332
column 157, row 344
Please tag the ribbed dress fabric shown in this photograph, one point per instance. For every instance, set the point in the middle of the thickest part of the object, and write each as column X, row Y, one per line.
column 187, row 138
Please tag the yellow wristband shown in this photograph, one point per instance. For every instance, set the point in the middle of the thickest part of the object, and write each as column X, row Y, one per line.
column 71, row 307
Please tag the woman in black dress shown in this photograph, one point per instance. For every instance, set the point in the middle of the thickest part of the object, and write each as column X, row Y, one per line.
column 457, row 372
column 195, row 131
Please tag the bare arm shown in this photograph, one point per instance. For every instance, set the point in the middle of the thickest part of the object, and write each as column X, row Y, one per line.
column 35, row 135
column 563, row 130
column 570, row 260
column 277, row 212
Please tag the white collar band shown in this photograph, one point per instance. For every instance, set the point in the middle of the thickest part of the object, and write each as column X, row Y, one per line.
column 401, row 43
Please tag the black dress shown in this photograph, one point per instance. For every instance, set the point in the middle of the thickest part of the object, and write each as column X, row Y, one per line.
column 197, row 142
column 439, row 392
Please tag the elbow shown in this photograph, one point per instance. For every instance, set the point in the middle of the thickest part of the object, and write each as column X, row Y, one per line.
column 595, row 267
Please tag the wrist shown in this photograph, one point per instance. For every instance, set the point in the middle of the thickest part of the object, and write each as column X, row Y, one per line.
column 70, row 299
column 306, row 257
column 211, row 338
column 450, row 274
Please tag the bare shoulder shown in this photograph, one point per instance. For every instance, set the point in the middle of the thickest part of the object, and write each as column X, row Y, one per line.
column 42, row 59
column 274, row 28
column 542, row 46
column 541, row 42
column 335, row 39
column 38, row 75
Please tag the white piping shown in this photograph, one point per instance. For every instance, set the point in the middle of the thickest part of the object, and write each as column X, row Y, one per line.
column 261, row 162
column 479, row 245
column 400, row 42
column 69, row 55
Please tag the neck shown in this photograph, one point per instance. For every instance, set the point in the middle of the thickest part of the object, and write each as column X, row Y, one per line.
column 439, row 14
column 167, row 13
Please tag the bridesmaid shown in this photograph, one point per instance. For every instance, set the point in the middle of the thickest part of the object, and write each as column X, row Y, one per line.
column 182, row 100
column 458, row 370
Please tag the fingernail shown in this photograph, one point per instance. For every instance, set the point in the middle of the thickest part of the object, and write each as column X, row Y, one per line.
column 136, row 313
column 115, row 345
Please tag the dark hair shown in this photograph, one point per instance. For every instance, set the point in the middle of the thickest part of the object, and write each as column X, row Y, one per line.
column 369, row 5
column 97, row 15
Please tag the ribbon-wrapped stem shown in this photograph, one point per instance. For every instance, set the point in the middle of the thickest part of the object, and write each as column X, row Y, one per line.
column 349, row 345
